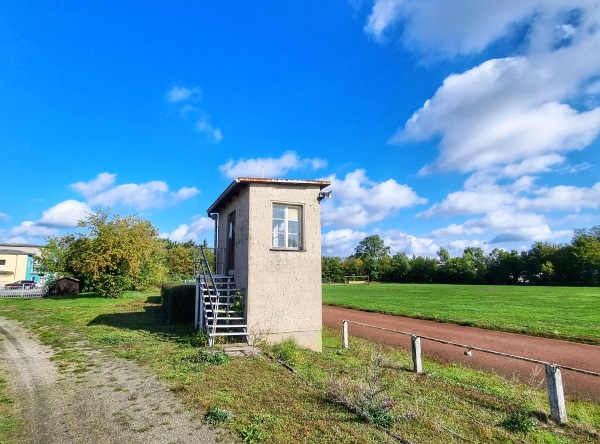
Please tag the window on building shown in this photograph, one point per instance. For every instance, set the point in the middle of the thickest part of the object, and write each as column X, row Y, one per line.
column 2, row 261
column 287, row 226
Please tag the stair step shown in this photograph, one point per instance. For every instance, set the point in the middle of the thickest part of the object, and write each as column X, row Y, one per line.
column 237, row 333
column 227, row 326
column 210, row 318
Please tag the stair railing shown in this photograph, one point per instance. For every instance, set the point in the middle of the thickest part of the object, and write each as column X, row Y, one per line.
column 206, row 271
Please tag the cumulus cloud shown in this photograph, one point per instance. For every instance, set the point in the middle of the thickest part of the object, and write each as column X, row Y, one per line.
column 341, row 243
column 31, row 229
column 64, row 215
column 515, row 112
column 508, row 226
column 198, row 230
column 153, row 194
column 401, row 242
column 358, row 201
column 93, row 187
column 269, row 166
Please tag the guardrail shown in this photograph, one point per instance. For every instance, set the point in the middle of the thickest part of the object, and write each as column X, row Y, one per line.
column 556, row 395
column 22, row 292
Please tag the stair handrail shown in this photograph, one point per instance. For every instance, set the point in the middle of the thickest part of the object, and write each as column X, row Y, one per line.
column 204, row 263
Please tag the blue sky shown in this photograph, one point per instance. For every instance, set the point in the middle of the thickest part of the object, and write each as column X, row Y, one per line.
column 440, row 123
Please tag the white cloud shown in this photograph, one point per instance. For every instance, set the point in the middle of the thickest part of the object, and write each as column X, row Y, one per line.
column 341, row 243
column 181, row 93
column 400, row 242
column 450, row 28
column 212, row 133
column 269, row 166
column 153, row 194
column 198, row 230
column 567, row 198
column 4, row 217
column 31, row 229
column 505, row 226
column 358, row 201
column 93, row 187
column 501, row 113
column 64, row 215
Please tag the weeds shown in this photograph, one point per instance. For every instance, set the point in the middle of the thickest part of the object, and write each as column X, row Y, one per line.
column 209, row 357
column 366, row 398
column 287, row 351
column 520, row 421
column 216, row 415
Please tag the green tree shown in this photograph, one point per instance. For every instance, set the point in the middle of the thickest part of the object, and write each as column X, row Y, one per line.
column 372, row 250
column 332, row 269
column 180, row 261
column 586, row 251
column 111, row 255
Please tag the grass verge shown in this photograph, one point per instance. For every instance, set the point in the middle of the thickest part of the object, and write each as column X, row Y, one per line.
column 569, row 313
column 365, row 394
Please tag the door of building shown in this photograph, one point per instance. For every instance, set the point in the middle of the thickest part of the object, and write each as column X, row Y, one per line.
column 231, row 242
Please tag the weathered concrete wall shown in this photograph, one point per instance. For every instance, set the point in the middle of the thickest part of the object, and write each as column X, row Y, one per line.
column 284, row 286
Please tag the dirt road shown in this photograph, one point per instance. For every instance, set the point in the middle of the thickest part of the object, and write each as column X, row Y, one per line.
column 570, row 354
column 115, row 401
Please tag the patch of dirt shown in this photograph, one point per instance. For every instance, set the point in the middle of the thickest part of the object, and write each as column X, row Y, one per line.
column 570, row 354
column 115, row 401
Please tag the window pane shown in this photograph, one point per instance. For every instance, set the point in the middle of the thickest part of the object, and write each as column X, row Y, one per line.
column 293, row 241
column 293, row 214
column 278, row 240
column 278, row 226
column 294, row 227
column 278, row 212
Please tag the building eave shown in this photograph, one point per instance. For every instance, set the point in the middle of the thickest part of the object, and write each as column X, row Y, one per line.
column 242, row 182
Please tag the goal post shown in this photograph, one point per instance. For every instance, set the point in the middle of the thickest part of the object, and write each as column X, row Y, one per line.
column 356, row 279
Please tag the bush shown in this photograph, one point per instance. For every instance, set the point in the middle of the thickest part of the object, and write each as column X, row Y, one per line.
column 178, row 301
column 520, row 421
column 287, row 351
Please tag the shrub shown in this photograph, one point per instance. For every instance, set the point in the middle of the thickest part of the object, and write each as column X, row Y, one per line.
column 178, row 301
column 207, row 357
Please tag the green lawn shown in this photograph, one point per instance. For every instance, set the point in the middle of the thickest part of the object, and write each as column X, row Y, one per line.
column 448, row 404
column 571, row 313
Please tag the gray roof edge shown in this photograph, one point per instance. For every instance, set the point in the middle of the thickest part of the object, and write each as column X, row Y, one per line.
column 241, row 181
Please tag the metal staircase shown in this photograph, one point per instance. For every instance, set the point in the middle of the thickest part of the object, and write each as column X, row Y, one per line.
column 219, row 305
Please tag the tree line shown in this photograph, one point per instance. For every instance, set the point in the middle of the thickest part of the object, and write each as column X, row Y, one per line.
column 544, row 263
column 111, row 254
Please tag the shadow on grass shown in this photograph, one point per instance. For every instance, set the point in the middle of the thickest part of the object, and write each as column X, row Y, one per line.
column 151, row 320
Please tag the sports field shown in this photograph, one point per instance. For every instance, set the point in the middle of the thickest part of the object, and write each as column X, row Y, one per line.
column 570, row 313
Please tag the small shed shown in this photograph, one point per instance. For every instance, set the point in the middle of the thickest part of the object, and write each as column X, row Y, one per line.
column 67, row 286
column 268, row 234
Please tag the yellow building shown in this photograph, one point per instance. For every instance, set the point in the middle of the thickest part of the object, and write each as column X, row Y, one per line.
column 17, row 263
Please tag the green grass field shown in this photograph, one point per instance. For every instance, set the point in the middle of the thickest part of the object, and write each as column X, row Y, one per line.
column 448, row 404
column 570, row 313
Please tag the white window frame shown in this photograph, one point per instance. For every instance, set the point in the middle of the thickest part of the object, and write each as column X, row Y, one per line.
column 286, row 220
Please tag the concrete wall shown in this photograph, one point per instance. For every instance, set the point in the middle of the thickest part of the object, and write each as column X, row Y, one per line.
column 284, row 286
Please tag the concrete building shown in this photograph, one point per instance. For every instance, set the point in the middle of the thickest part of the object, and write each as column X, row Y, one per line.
column 270, row 233
column 16, row 263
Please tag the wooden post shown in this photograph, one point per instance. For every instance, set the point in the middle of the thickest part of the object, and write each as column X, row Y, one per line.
column 416, row 354
column 556, row 396
column 345, row 334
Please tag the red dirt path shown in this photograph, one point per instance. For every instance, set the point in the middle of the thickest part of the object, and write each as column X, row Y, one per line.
column 571, row 354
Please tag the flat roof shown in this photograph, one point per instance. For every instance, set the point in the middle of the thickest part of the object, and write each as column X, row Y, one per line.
column 241, row 182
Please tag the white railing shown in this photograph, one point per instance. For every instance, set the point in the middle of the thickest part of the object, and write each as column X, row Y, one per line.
column 22, row 292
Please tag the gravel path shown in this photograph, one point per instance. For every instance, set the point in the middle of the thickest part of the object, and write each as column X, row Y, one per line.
column 583, row 356
column 115, row 401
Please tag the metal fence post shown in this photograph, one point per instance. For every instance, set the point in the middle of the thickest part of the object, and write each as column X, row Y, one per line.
column 345, row 334
column 556, row 395
column 415, row 342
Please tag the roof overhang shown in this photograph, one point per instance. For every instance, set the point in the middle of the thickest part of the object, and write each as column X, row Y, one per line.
column 242, row 182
